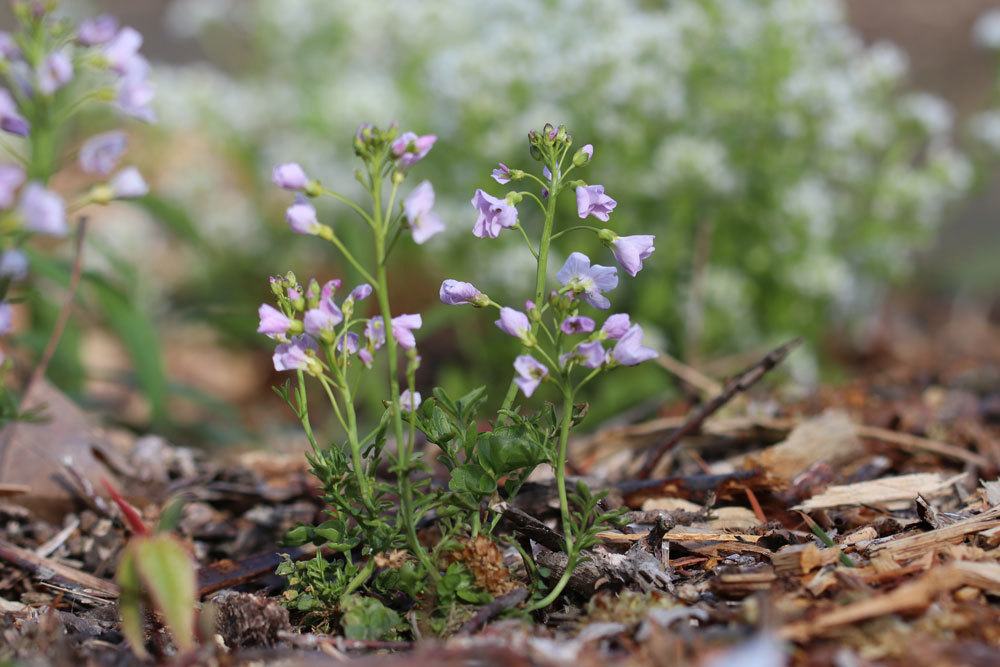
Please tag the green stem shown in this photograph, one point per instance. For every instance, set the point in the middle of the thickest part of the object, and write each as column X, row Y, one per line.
column 351, row 427
column 406, row 514
column 328, row 234
column 564, row 426
column 541, row 273
column 357, row 209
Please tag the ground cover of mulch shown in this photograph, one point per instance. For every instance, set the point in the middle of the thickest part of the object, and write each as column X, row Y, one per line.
column 858, row 524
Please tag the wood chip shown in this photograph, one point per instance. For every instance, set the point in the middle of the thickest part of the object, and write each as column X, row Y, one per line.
column 881, row 491
column 906, row 548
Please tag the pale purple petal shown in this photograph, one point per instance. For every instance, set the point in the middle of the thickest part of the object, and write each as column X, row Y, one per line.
column 272, row 321
column 361, row 292
column 13, row 265
column 98, row 30
column 513, row 322
column 402, row 330
column 616, row 326
column 11, row 178
column 55, row 72
column 530, row 373
column 293, row 356
column 494, row 215
column 121, row 49
column 409, row 402
column 456, row 292
column 10, row 118
column 6, row 318
column 100, row 153
column 630, row 251
column 375, row 332
column 577, row 324
column 135, row 96
column 501, row 174
column 630, row 351
column 323, row 320
column 128, row 184
column 289, row 176
column 591, row 200
column 301, row 217
column 43, row 210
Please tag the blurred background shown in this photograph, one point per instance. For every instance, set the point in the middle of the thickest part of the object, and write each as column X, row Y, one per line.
column 810, row 167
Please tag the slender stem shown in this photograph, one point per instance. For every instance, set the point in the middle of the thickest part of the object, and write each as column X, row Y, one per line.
column 541, row 273
column 303, row 408
column 560, row 466
column 527, row 240
column 351, row 427
column 574, row 228
column 328, row 234
column 406, row 514
column 357, row 209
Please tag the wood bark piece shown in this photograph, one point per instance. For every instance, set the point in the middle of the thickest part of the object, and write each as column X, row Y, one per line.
column 799, row 559
column 87, row 586
column 913, row 546
column 829, row 438
column 881, row 491
column 33, row 453
column 914, row 595
column 489, row 611
column 735, row 386
column 681, row 535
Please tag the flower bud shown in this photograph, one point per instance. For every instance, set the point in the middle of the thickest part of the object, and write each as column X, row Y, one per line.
column 516, row 174
column 533, row 137
column 313, row 189
column 535, row 153
column 397, row 177
column 607, row 236
column 583, row 156
column 549, row 133
column 101, row 194
column 562, row 135
column 513, row 198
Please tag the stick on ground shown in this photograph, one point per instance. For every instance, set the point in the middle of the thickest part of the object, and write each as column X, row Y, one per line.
column 737, row 385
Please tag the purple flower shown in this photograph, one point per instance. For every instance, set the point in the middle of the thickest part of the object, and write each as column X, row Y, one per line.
column 322, row 320
column 630, row 251
column 349, row 343
column 410, row 149
column 55, row 72
column 43, row 210
column 547, row 173
column 122, row 50
column 514, row 323
column 494, row 215
column 501, row 174
column 330, row 287
column 135, row 95
column 8, row 47
column 273, row 322
column 361, row 292
column 402, row 330
column 424, row 223
column 10, row 120
column 409, row 402
column 98, row 30
column 591, row 354
column 616, row 326
column 530, row 373
column 289, row 176
column 457, row 293
column 577, row 324
column 11, row 178
column 375, row 333
column 128, row 184
column 588, row 353
column 591, row 200
column 579, row 276
column 365, row 355
column 6, row 318
column 588, row 150
column 100, row 153
column 13, row 265
column 629, row 351
column 294, row 355
column 301, row 217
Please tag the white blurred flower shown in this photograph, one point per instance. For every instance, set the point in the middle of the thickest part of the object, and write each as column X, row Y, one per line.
column 986, row 30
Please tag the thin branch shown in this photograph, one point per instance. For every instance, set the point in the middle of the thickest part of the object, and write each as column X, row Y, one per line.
column 737, row 385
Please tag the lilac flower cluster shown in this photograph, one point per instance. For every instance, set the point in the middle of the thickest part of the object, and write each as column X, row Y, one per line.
column 47, row 77
column 310, row 320
column 617, row 342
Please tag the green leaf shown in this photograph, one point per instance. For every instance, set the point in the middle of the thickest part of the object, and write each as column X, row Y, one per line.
column 368, row 619
column 508, row 449
column 130, row 601
column 139, row 335
column 471, row 478
column 469, row 404
column 168, row 577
